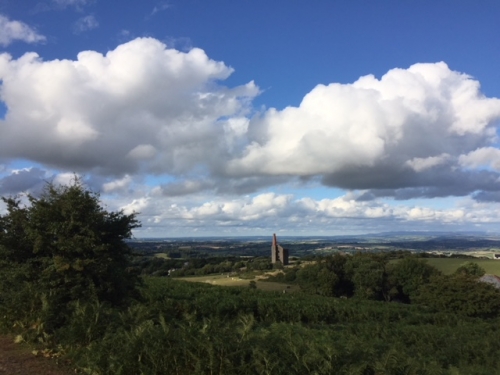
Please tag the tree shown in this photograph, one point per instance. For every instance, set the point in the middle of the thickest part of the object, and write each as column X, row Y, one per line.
column 68, row 246
column 407, row 275
column 316, row 279
column 470, row 269
column 367, row 273
column 336, row 264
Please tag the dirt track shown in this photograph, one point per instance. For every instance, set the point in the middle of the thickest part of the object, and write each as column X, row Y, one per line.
column 18, row 359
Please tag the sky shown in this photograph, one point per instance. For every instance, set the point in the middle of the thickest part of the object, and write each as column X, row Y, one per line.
column 239, row 118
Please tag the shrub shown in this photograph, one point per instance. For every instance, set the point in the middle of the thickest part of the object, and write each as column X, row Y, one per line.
column 60, row 248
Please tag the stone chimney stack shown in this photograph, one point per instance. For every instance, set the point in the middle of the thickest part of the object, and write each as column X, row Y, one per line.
column 278, row 254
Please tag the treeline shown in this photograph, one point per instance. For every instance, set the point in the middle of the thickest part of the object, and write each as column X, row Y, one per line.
column 203, row 248
column 380, row 277
column 157, row 266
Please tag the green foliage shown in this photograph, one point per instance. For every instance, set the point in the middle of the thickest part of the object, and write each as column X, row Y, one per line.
column 470, row 269
column 259, row 264
column 368, row 274
column 461, row 295
column 407, row 275
column 64, row 281
column 191, row 328
column 310, row 280
column 61, row 248
column 327, row 277
column 181, row 329
column 449, row 265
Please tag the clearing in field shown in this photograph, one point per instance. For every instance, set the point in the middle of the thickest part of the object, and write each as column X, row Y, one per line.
column 224, row 280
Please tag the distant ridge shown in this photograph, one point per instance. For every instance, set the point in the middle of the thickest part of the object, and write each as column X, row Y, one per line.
column 350, row 237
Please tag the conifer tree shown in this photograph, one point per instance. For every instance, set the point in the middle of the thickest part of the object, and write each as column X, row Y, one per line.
column 64, row 246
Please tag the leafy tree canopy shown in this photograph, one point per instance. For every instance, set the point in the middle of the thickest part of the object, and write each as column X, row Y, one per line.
column 470, row 269
column 407, row 275
column 66, row 245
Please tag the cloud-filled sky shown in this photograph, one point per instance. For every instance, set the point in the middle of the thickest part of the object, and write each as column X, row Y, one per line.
column 247, row 118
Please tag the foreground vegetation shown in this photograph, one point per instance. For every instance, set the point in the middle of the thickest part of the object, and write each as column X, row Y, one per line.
column 191, row 328
column 67, row 285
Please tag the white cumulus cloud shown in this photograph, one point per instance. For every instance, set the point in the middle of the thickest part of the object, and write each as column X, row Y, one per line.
column 421, row 164
column 404, row 131
column 11, row 31
column 425, row 131
column 482, row 157
column 85, row 23
column 141, row 106
column 269, row 212
column 414, row 113
column 117, row 185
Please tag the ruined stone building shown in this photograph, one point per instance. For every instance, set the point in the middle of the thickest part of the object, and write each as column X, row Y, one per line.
column 278, row 254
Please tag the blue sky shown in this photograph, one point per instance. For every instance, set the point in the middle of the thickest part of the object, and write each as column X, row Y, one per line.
column 253, row 117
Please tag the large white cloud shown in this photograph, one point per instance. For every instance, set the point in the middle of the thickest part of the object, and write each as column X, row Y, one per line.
column 405, row 130
column 11, row 31
column 140, row 106
column 425, row 131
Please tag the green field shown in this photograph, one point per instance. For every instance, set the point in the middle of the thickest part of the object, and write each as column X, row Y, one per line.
column 450, row 265
column 161, row 255
column 223, row 280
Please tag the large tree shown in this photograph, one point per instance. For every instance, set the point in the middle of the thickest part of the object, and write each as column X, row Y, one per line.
column 63, row 246
column 407, row 275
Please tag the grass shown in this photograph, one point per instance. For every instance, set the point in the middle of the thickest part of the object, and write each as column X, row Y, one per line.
column 223, row 280
column 450, row 265
column 271, row 286
column 162, row 255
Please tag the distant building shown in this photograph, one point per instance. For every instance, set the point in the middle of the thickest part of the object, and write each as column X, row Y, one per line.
column 278, row 254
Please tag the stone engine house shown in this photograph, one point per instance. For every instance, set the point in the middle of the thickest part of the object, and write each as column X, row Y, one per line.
column 278, row 253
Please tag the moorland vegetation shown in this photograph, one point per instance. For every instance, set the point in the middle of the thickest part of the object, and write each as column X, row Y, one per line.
column 69, row 285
